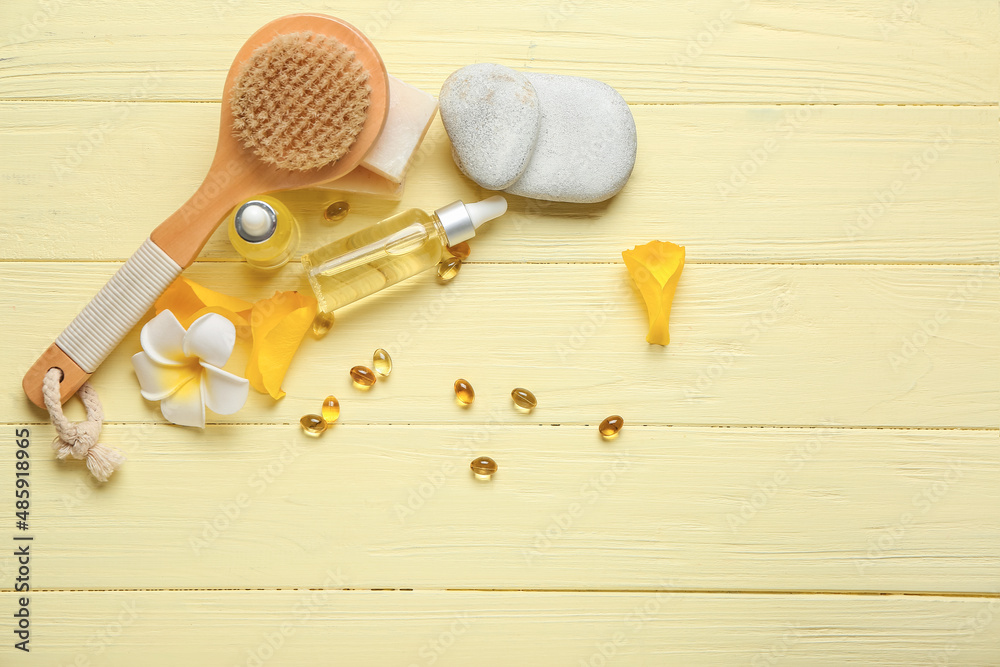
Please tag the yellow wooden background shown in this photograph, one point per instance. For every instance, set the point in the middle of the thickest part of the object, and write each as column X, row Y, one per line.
column 810, row 471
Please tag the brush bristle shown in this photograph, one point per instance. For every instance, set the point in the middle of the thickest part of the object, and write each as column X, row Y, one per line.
column 300, row 101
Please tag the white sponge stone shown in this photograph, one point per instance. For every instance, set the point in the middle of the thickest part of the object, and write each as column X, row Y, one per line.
column 586, row 141
column 544, row 136
column 491, row 115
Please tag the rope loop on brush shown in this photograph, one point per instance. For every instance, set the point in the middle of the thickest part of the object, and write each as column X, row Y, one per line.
column 79, row 440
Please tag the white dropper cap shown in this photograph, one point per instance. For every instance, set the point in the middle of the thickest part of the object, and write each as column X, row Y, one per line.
column 256, row 221
column 460, row 221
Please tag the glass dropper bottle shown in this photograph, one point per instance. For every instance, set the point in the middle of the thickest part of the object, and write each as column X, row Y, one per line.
column 392, row 250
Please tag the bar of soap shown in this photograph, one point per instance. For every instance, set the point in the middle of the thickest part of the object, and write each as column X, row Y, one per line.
column 410, row 114
column 363, row 182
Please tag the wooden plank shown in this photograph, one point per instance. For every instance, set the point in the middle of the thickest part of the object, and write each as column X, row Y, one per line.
column 279, row 628
column 732, row 183
column 751, row 344
column 819, row 439
column 936, row 51
column 254, row 506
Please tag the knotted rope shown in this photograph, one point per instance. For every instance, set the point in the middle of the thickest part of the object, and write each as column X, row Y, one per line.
column 78, row 440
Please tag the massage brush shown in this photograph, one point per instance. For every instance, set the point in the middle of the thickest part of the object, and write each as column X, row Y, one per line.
column 305, row 99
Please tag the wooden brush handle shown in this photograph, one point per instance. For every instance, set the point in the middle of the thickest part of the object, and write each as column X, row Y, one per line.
column 104, row 322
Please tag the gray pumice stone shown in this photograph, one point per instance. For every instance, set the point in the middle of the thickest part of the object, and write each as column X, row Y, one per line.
column 544, row 136
column 491, row 115
column 586, row 143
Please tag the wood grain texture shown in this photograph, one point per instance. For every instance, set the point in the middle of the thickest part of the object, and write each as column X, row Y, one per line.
column 819, row 438
column 169, row 628
column 885, row 51
column 751, row 344
column 732, row 183
column 397, row 507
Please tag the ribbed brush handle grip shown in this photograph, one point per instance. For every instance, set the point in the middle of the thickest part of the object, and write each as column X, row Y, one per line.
column 106, row 320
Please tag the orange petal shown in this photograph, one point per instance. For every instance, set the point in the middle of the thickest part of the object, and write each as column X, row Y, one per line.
column 655, row 268
column 278, row 325
column 188, row 301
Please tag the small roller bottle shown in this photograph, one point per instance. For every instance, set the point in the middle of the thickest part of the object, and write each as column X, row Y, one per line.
column 264, row 231
column 392, row 250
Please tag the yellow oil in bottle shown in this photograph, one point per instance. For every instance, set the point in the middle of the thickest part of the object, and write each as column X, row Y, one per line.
column 392, row 250
column 264, row 231
column 374, row 258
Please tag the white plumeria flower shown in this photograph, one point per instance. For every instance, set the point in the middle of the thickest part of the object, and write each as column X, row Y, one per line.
column 181, row 369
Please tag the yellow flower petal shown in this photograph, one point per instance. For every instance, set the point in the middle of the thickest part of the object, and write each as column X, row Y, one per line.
column 655, row 268
column 188, row 301
column 278, row 325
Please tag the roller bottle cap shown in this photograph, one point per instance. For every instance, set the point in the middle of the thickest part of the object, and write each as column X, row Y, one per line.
column 460, row 221
column 255, row 221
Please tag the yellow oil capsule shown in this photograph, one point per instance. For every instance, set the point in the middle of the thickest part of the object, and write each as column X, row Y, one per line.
column 336, row 211
column 448, row 269
column 322, row 324
column 464, row 392
column 484, row 467
column 331, row 409
column 460, row 250
column 524, row 399
column 382, row 362
column 611, row 426
column 363, row 377
column 313, row 425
